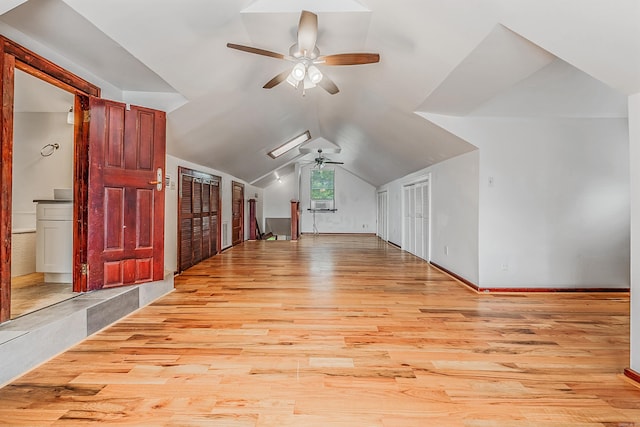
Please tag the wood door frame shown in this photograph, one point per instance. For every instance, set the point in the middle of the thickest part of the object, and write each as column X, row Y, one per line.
column 13, row 56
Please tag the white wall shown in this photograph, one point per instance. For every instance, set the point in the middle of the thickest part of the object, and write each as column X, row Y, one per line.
column 171, row 206
column 454, row 215
column 278, row 196
column 34, row 176
column 554, row 202
column 454, row 212
column 355, row 201
column 634, row 157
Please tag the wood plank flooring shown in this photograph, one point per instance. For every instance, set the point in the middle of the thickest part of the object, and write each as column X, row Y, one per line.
column 340, row 331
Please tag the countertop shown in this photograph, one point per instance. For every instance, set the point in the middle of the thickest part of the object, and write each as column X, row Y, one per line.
column 53, row 201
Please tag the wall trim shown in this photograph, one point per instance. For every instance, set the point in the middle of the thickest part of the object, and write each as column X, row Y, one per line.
column 633, row 376
column 461, row 279
column 338, row 234
column 394, row 244
column 513, row 290
column 554, row 290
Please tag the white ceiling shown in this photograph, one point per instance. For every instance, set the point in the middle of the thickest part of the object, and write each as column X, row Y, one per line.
column 531, row 58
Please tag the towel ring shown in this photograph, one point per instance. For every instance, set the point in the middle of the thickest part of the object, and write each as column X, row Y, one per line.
column 49, row 149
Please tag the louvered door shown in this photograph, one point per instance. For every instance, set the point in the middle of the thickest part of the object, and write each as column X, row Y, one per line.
column 198, row 211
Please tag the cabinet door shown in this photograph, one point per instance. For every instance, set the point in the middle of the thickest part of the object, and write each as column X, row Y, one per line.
column 54, row 247
column 54, row 241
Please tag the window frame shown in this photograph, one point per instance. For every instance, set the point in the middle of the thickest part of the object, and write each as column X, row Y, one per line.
column 321, row 204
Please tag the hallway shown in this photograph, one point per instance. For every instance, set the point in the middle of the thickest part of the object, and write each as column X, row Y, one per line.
column 340, row 331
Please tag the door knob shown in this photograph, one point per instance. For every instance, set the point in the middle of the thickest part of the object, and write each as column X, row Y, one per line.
column 158, row 181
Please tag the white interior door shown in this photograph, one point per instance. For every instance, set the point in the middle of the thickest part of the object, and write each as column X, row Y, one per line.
column 406, row 218
column 419, row 235
column 416, row 208
column 383, row 208
column 426, row 208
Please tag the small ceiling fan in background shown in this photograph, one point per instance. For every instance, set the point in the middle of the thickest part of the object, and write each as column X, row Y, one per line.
column 321, row 160
column 306, row 56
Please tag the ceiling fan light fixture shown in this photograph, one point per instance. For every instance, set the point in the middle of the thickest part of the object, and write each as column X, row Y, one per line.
column 293, row 82
column 299, row 72
column 314, row 74
column 305, row 54
column 308, row 84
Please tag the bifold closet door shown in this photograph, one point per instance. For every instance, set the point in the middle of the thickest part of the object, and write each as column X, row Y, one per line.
column 198, row 217
column 416, row 219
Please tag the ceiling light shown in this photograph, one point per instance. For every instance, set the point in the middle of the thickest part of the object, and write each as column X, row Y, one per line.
column 308, row 83
column 289, row 145
column 299, row 71
column 293, row 82
column 314, row 74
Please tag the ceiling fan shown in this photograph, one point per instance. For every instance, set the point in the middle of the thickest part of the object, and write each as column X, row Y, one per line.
column 321, row 160
column 305, row 55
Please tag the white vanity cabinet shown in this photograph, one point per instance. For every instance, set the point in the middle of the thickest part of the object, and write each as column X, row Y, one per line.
column 54, row 240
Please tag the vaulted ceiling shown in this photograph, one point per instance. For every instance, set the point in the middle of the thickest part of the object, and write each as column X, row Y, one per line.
column 458, row 58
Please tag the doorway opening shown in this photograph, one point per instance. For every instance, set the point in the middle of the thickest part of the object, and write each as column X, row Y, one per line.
column 42, row 195
column 15, row 59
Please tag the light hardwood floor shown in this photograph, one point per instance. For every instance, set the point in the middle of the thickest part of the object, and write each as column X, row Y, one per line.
column 30, row 293
column 340, row 331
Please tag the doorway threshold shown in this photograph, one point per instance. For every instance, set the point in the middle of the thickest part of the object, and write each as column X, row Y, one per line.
column 34, row 338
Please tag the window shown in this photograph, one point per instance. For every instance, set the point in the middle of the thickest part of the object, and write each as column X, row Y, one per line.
column 322, row 189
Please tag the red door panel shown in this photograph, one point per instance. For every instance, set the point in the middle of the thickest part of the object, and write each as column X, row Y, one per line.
column 237, row 213
column 126, row 210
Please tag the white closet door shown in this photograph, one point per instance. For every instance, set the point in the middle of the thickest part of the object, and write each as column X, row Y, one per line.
column 425, row 221
column 419, row 232
column 412, row 220
column 406, row 220
column 382, row 215
column 416, row 219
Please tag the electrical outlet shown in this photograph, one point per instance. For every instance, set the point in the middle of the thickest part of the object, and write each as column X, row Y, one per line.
column 504, row 267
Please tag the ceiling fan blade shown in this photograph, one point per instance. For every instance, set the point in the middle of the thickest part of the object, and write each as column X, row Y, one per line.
column 307, row 32
column 256, row 51
column 277, row 80
column 349, row 59
column 327, row 84
column 330, row 162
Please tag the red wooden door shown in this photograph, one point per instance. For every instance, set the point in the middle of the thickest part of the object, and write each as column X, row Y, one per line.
column 126, row 194
column 237, row 213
